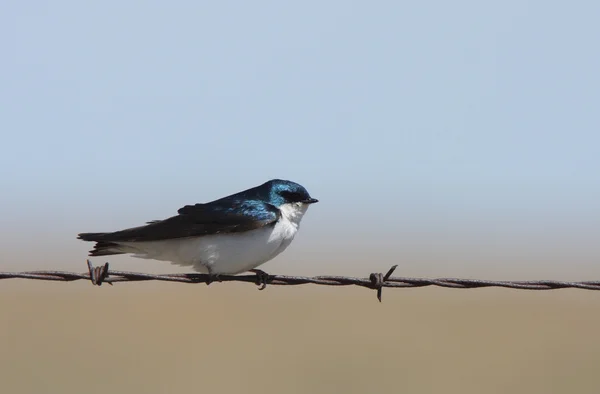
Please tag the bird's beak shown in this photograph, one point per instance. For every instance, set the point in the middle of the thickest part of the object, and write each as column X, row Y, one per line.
column 310, row 201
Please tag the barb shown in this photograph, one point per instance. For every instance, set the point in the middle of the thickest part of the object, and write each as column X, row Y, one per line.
column 376, row 281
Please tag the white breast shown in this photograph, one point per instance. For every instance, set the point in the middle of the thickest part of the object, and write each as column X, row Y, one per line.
column 226, row 253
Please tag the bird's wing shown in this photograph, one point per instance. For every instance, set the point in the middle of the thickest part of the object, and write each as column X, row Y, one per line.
column 221, row 217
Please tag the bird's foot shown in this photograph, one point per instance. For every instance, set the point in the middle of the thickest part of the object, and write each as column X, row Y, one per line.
column 262, row 278
column 212, row 277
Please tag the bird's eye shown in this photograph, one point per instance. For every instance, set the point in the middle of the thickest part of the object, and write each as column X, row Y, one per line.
column 292, row 196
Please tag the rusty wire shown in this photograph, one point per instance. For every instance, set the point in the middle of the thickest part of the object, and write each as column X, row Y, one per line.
column 376, row 281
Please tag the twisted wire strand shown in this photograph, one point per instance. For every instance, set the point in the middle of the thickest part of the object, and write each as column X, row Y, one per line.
column 376, row 281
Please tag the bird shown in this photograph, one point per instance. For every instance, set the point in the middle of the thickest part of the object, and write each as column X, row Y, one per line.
column 228, row 236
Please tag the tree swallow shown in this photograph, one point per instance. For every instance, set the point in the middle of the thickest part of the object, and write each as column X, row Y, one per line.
column 230, row 235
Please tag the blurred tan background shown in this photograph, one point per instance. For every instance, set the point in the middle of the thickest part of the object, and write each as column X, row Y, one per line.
column 229, row 337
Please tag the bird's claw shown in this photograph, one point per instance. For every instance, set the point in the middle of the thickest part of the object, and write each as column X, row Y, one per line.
column 262, row 278
column 212, row 277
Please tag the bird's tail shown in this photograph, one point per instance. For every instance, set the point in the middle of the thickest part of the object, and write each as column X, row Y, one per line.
column 102, row 248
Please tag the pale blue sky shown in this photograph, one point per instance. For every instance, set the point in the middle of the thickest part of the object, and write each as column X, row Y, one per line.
column 439, row 131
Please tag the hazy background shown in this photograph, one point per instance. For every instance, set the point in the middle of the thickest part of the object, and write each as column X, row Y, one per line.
column 452, row 138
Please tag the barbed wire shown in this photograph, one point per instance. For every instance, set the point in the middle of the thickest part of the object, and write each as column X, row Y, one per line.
column 377, row 281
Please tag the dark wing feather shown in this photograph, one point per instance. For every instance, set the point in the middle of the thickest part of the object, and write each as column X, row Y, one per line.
column 221, row 217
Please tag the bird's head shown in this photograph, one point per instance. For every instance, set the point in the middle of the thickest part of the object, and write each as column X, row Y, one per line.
column 286, row 192
column 291, row 198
